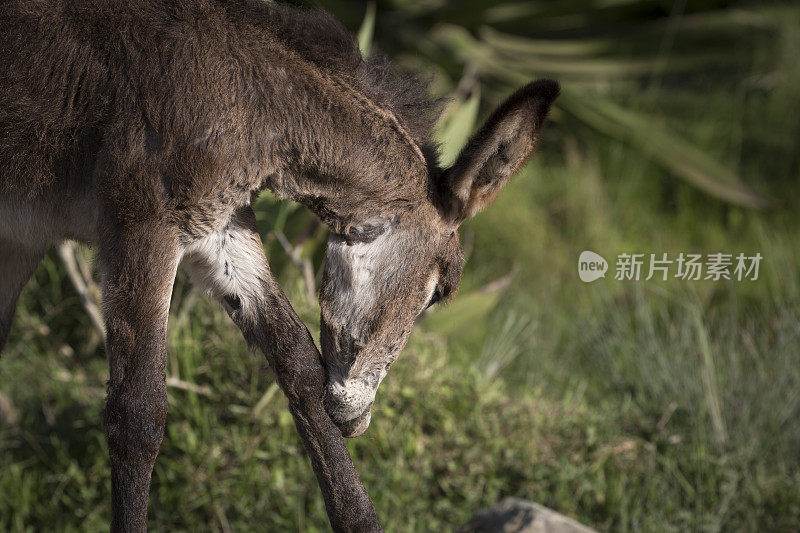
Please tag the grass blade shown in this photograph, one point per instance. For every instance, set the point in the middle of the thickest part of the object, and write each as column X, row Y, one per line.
column 367, row 30
column 456, row 126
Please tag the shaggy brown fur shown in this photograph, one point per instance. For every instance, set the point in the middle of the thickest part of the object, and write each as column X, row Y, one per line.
column 146, row 127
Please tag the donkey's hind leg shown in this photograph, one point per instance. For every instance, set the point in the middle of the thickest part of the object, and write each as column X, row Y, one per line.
column 17, row 264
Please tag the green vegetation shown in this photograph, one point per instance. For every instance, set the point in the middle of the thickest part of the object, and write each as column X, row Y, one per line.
column 630, row 406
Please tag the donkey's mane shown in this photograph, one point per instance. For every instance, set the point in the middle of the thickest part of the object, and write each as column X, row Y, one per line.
column 318, row 37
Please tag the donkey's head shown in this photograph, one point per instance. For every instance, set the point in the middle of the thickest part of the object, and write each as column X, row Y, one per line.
column 379, row 278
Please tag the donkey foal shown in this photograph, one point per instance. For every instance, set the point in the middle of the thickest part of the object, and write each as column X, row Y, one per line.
column 147, row 128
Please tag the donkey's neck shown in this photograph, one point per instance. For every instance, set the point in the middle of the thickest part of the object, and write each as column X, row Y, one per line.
column 352, row 192
column 338, row 153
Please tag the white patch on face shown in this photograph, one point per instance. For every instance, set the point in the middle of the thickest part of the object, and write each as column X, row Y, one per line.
column 229, row 262
column 356, row 273
column 357, row 276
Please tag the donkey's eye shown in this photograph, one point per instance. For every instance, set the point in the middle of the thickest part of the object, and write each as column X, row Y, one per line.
column 437, row 295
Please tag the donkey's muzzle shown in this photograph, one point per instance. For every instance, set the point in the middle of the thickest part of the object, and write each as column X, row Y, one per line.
column 349, row 404
column 355, row 427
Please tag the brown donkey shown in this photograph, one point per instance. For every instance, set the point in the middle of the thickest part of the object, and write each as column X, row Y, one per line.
column 146, row 128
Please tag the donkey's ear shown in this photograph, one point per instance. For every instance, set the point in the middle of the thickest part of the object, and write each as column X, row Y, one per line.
column 499, row 149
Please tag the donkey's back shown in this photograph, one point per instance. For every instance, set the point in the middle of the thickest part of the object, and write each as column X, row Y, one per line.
column 171, row 80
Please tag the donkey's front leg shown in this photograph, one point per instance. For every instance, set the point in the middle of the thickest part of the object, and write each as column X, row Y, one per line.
column 231, row 265
column 139, row 266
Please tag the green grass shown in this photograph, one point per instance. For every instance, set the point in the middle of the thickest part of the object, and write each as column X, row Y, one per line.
column 630, row 406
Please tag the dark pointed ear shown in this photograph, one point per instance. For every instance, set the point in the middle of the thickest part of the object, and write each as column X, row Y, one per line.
column 494, row 154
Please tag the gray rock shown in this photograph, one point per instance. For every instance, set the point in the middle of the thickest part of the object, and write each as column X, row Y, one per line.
column 513, row 515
